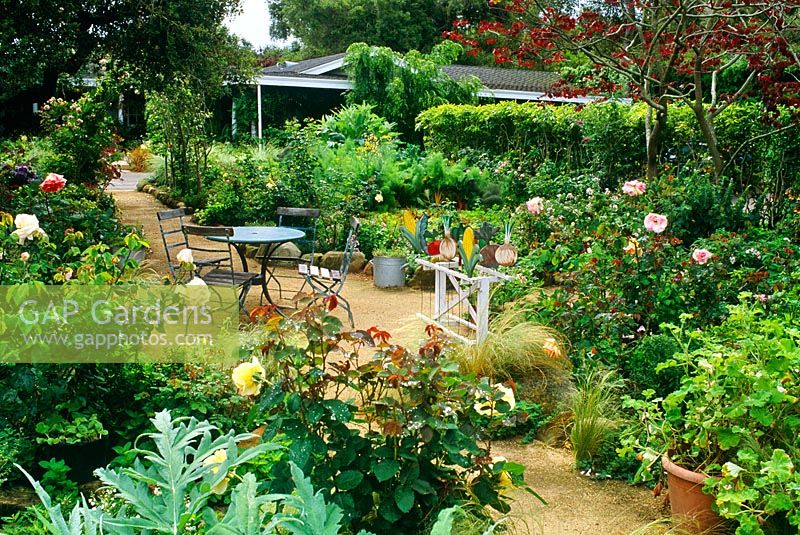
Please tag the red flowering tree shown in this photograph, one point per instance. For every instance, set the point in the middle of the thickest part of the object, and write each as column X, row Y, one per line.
column 657, row 51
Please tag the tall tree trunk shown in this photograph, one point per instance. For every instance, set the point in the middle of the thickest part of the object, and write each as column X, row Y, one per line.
column 710, row 136
column 655, row 133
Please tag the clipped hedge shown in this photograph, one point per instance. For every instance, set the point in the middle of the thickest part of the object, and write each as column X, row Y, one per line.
column 608, row 138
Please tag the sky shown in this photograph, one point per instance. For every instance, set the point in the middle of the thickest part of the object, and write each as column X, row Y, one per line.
column 252, row 24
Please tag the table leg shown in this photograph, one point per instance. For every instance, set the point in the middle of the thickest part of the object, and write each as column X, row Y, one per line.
column 268, row 275
column 242, row 250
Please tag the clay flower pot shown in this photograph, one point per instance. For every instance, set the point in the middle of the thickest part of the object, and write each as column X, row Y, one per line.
column 691, row 508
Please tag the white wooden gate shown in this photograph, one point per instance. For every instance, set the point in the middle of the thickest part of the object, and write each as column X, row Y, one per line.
column 461, row 287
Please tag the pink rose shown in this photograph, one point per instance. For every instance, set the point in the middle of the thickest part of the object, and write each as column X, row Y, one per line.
column 655, row 223
column 634, row 188
column 535, row 205
column 701, row 256
column 25, row 256
column 53, row 183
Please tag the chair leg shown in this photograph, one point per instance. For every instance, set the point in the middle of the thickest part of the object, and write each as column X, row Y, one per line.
column 243, row 295
column 346, row 306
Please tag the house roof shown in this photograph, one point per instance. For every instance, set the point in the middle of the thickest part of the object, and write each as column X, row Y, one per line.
column 513, row 79
column 326, row 73
column 298, row 67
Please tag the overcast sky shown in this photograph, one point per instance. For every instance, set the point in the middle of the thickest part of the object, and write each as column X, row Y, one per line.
column 252, row 24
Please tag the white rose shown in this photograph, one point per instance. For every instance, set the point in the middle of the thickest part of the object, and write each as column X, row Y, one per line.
column 185, row 256
column 27, row 227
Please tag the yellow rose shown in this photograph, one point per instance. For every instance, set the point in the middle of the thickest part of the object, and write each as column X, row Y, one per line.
column 248, row 376
column 221, row 487
column 214, row 460
column 218, row 457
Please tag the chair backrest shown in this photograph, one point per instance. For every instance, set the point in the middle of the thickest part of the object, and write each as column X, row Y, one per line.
column 220, row 250
column 303, row 219
column 350, row 247
column 170, row 222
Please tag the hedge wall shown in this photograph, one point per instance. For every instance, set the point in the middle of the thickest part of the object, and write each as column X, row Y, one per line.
column 608, row 138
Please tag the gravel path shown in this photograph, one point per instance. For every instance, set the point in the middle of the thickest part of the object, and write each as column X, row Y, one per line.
column 576, row 505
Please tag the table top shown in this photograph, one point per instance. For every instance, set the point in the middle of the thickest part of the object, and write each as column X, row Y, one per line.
column 259, row 235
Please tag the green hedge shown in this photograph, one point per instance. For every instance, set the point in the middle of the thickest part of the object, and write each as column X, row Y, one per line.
column 608, row 138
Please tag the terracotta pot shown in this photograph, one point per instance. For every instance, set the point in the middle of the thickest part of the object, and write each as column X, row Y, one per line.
column 691, row 508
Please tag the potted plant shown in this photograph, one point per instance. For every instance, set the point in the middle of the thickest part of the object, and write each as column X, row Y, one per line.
column 728, row 433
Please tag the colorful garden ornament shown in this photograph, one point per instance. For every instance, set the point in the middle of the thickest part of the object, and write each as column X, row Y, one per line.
column 506, row 254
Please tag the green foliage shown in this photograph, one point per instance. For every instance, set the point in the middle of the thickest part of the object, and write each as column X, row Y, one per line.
column 608, row 140
column 82, row 137
column 55, row 479
column 77, row 428
column 642, row 364
column 401, row 86
column 329, row 27
column 154, row 43
column 169, row 488
column 177, row 122
column 414, row 450
column 356, row 122
column 595, row 413
column 341, row 177
column 734, row 414
column 523, row 420
column 15, row 448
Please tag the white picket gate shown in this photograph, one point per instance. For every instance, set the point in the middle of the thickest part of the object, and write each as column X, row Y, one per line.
column 473, row 313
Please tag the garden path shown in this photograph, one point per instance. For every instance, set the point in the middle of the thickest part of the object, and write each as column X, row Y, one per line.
column 576, row 505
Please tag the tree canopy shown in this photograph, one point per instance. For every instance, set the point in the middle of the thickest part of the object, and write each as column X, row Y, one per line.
column 158, row 40
column 401, row 86
column 707, row 54
column 330, row 26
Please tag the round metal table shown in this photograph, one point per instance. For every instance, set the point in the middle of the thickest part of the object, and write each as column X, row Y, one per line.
column 269, row 236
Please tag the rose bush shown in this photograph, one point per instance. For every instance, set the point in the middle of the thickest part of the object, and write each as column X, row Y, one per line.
column 390, row 437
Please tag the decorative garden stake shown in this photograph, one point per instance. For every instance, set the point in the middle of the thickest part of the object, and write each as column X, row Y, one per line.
column 414, row 232
column 448, row 248
column 469, row 255
column 485, row 234
column 506, row 254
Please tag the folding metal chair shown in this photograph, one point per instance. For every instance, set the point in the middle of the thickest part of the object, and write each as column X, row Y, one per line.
column 222, row 273
column 171, row 222
column 326, row 282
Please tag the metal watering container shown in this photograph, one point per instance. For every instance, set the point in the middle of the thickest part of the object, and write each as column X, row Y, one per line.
column 388, row 271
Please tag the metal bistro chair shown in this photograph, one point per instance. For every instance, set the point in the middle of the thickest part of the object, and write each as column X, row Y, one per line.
column 326, row 282
column 171, row 224
column 222, row 273
column 302, row 219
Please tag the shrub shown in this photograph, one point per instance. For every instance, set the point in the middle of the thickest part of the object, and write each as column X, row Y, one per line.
column 608, row 140
column 642, row 365
column 139, row 158
column 734, row 415
column 414, row 450
column 82, row 138
column 358, row 123
column 530, row 355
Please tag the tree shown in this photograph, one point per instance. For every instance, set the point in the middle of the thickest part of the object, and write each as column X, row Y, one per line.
column 401, row 86
column 157, row 40
column 660, row 51
column 330, row 26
